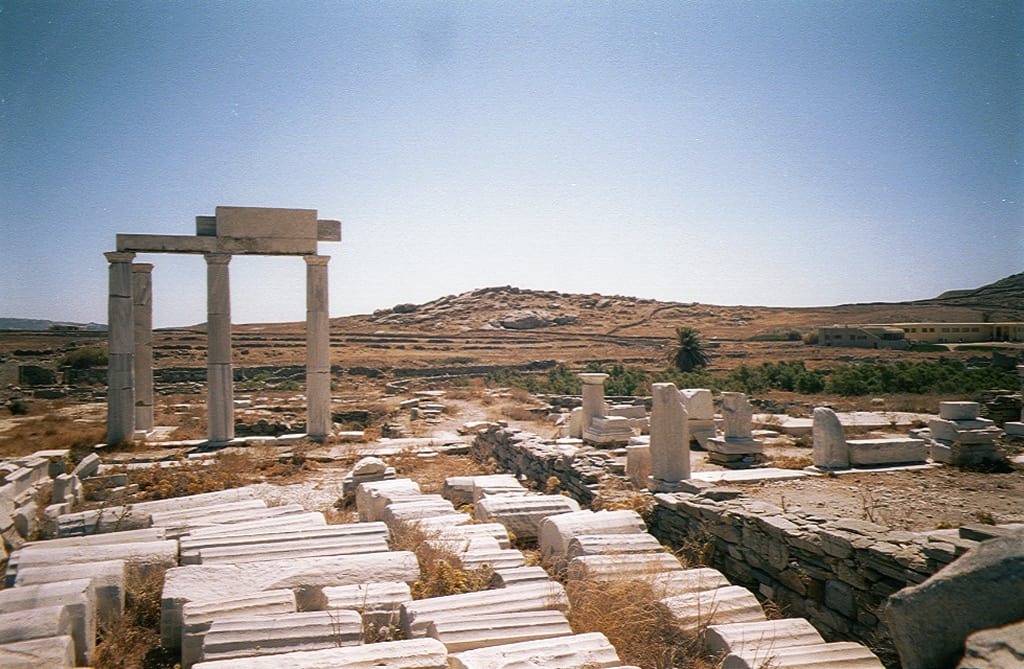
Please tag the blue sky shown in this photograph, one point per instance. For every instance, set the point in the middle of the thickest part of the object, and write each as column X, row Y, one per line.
column 803, row 152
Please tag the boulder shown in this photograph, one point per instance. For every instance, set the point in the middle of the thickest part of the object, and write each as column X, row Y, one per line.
column 999, row 648
column 929, row 622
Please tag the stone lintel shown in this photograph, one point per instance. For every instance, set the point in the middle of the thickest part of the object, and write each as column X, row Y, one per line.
column 166, row 244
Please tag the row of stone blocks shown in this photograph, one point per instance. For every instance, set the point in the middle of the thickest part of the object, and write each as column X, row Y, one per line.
column 614, row 545
column 220, row 610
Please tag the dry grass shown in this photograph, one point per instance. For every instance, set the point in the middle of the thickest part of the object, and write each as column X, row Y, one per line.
column 132, row 641
column 50, row 431
column 792, row 461
column 226, row 470
column 440, row 570
column 431, row 471
column 617, row 494
column 642, row 631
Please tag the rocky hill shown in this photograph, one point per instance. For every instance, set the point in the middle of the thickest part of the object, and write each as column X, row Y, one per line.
column 1003, row 295
column 506, row 308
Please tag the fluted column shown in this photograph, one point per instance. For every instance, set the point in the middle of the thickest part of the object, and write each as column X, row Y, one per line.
column 318, row 350
column 220, row 404
column 120, row 349
column 142, row 316
column 593, row 398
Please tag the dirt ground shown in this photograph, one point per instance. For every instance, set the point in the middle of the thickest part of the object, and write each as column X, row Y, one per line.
column 917, row 500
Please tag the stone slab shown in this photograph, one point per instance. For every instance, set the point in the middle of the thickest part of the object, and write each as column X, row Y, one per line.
column 482, row 630
column 579, row 651
column 731, row 604
column 557, row 531
column 198, row 616
column 107, row 577
column 417, row 615
column 198, row 583
column 378, row 603
column 686, row 582
column 623, row 566
column 267, row 635
column 523, row 515
column 411, row 654
column 56, row 652
column 77, row 598
column 757, row 639
column 838, row 655
column 749, row 475
column 888, row 450
column 959, row 410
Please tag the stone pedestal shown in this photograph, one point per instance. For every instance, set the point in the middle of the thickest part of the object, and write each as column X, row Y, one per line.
column 142, row 311
column 608, row 431
column 318, row 355
column 829, row 440
column 737, row 448
column 220, row 382
column 593, row 398
column 670, row 439
column 960, row 437
column 120, row 350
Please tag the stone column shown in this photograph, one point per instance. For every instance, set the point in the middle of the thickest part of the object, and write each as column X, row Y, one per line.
column 670, row 439
column 220, row 404
column 593, row 398
column 142, row 310
column 120, row 350
column 318, row 349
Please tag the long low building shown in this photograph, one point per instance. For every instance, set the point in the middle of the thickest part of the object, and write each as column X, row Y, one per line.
column 902, row 335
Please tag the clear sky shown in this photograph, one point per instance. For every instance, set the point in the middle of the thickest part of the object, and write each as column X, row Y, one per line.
column 784, row 152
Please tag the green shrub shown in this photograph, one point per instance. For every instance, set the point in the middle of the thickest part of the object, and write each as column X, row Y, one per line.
column 85, row 358
column 777, row 335
column 18, row 407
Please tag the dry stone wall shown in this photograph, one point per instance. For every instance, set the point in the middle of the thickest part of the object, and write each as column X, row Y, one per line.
column 835, row 572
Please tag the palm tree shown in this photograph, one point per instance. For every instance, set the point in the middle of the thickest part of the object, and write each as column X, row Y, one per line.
column 690, row 350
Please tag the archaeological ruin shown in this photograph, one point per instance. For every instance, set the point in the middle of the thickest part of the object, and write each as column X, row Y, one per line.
column 230, row 231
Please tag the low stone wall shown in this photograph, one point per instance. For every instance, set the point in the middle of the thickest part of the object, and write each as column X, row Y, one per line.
column 835, row 572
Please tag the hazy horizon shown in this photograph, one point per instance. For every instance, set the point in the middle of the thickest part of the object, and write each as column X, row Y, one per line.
column 775, row 153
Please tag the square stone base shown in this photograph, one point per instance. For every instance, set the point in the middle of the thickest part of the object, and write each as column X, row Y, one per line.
column 724, row 446
column 737, row 461
column 955, row 453
column 608, row 431
column 1014, row 429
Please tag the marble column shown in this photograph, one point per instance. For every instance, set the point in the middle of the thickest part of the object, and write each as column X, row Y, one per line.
column 670, row 439
column 220, row 404
column 318, row 349
column 593, row 398
column 142, row 315
column 120, row 350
